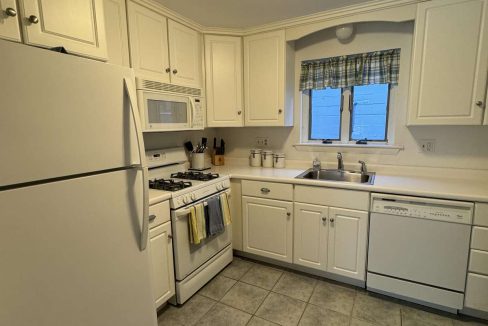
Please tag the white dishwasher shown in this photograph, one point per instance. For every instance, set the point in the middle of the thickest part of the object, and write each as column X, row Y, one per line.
column 419, row 248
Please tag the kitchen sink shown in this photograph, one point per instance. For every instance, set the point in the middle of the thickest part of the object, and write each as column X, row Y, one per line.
column 338, row 175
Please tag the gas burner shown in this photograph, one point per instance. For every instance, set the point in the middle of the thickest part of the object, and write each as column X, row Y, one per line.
column 168, row 184
column 192, row 175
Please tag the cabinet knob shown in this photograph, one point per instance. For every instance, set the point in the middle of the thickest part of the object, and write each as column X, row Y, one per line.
column 152, row 217
column 33, row 19
column 239, row 112
column 168, row 70
column 175, row 71
column 11, row 12
column 280, row 111
column 324, row 219
column 265, row 190
column 288, row 214
column 331, row 220
column 170, row 236
column 479, row 103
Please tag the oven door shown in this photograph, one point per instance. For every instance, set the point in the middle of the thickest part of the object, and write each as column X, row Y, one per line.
column 164, row 112
column 188, row 257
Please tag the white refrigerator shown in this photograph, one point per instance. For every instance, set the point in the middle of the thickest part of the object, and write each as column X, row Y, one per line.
column 73, row 193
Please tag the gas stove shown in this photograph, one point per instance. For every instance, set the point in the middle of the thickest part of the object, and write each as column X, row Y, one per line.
column 168, row 172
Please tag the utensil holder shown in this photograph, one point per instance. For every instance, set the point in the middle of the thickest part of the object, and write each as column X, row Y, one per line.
column 198, row 161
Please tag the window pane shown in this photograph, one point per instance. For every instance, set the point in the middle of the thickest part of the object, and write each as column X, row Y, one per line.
column 325, row 114
column 370, row 111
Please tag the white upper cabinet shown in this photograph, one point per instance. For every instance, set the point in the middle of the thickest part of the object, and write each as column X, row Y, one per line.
column 116, row 29
column 348, row 234
column 310, row 236
column 148, row 33
column 449, row 65
column 185, row 55
column 163, row 50
column 9, row 20
column 223, row 63
column 268, row 80
column 77, row 25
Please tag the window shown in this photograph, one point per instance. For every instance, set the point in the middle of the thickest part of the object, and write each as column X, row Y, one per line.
column 349, row 114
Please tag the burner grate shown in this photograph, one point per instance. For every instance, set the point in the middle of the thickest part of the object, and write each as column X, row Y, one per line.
column 168, row 184
column 193, row 175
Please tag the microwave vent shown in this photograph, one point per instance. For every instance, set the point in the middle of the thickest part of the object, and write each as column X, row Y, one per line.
column 157, row 86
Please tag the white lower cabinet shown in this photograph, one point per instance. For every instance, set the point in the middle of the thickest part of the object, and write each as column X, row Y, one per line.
column 161, row 260
column 268, row 228
column 310, row 236
column 477, row 292
column 347, row 242
column 331, row 239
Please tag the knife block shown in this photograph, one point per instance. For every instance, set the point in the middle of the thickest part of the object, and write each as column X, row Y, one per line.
column 218, row 159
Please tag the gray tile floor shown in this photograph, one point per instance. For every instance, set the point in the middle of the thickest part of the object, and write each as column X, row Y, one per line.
column 257, row 294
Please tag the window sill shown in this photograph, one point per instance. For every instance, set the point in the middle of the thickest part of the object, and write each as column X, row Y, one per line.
column 366, row 149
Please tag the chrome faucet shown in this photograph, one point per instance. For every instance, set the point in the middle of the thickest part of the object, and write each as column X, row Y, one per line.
column 316, row 165
column 364, row 169
column 340, row 162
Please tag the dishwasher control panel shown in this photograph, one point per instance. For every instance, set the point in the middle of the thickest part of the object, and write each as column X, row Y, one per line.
column 432, row 209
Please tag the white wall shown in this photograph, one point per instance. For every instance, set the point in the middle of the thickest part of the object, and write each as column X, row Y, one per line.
column 456, row 147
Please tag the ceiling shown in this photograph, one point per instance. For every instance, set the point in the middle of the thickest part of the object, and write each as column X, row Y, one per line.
column 249, row 13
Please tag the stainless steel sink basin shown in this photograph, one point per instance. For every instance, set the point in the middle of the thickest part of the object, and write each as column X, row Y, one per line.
column 338, row 175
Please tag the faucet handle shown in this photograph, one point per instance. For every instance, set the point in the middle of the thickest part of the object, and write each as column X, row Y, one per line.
column 364, row 169
column 316, row 164
column 339, row 155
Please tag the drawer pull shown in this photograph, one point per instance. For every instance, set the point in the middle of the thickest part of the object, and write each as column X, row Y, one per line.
column 152, row 217
column 265, row 190
column 331, row 220
column 324, row 219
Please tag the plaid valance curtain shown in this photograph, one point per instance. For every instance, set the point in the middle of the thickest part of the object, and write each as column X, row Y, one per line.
column 379, row 67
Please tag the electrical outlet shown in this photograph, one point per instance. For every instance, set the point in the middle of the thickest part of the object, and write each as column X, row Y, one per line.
column 427, row 145
column 262, row 141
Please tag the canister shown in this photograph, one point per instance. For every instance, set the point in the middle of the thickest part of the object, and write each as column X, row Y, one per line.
column 267, row 158
column 279, row 160
column 255, row 157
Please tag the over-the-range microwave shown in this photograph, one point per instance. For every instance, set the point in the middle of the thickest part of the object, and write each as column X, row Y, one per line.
column 166, row 107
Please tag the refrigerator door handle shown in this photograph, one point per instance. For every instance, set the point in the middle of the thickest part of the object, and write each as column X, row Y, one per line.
column 140, row 166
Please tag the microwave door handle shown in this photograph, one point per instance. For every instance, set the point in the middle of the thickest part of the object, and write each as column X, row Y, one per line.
column 140, row 166
column 192, row 115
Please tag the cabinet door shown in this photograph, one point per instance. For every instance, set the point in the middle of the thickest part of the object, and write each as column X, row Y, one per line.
column 77, row 25
column 116, row 29
column 264, row 74
column 448, row 78
column 9, row 20
column 223, row 62
column 185, row 55
column 162, row 271
column 476, row 292
column 148, row 35
column 268, row 228
column 310, row 239
column 347, row 242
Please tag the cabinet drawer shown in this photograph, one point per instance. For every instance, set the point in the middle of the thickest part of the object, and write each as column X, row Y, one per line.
column 481, row 214
column 161, row 213
column 476, row 290
column 271, row 190
column 478, row 261
column 479, row 238
column 333, row 197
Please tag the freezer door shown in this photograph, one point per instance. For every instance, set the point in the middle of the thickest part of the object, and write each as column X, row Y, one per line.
column 62, row 115
column 70, row 255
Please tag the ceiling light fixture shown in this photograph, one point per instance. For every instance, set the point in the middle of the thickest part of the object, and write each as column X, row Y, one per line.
column 344, row 32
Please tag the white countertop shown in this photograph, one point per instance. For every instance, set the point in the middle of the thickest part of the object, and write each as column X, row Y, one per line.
column 438, row 187
column 157, row 196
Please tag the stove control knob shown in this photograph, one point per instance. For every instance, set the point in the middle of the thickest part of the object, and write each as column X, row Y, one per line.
column 185, row 200
column 193, row 196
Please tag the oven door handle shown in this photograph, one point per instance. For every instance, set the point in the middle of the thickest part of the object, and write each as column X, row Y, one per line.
column 141, row 166
column 185, row 211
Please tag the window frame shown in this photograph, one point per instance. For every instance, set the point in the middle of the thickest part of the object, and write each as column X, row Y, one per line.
column 341, row 109
column 346, row 120
column 351, row 109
